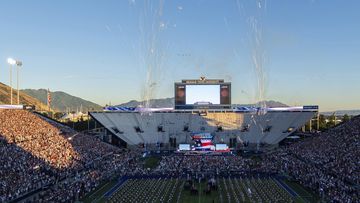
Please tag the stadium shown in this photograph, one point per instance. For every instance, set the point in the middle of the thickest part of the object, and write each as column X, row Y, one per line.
column 214, row 118
column 208, row 152
column 155, row 101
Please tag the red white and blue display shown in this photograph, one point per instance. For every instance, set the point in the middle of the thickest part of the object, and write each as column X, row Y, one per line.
column 202, row 142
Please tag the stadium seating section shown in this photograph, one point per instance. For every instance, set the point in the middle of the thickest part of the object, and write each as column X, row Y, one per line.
column 54, row 163
column 124, row 125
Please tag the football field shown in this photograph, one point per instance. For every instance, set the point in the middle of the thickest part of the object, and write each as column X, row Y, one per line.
column 175, row 190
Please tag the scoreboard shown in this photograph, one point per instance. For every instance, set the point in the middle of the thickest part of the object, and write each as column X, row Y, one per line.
column 203, row 94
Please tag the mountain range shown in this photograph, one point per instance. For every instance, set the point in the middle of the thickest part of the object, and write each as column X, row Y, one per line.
column 170, row 102
column 153, row 103
column 62, row 101
column 342, row 112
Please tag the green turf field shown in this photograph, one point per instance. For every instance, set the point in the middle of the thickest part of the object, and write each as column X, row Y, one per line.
column 97, row 195
column 151, row 162
column 229, row 190
column 304, row 194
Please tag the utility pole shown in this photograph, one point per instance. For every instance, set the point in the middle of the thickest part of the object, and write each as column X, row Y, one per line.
column 318, row 121
column 11, row 90
column 18, row 65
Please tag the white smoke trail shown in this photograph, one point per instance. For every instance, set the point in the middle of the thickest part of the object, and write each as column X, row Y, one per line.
column 152, row 55
column 255, row 20
column 258, row 52
column 258, row 58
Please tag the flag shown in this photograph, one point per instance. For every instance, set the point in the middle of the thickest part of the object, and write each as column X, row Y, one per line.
column 48, row 99
column 205, row 143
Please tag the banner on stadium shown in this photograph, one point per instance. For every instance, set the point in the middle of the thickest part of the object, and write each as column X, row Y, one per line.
column 222, row 148
column 11, row 106
column 247, row 109
column 201, row 135
column 136, row 109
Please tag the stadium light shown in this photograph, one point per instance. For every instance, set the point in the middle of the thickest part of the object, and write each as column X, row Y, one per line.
column 11, row 62
column 18, row 65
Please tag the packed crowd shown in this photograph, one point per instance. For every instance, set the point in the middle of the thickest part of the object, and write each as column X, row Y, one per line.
column 328, row 163
column 215, row 164
column 40, row 154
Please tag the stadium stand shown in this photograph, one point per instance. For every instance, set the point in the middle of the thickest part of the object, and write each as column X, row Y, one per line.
column 269, row 128
column 35, row 155
column 328, row 163
column 53, row 163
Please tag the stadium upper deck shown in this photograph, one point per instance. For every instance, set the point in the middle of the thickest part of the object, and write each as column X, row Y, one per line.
column 203, row 106
column 245, row 125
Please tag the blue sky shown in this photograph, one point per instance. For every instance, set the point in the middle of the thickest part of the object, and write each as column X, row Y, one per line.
column 114, row 51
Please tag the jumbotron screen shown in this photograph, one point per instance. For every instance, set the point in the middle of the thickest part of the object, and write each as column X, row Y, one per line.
column 202, row 94
column 191, row 96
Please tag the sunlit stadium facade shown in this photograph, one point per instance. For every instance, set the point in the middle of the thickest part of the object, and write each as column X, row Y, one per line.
column 239, row 125
column 203, row 106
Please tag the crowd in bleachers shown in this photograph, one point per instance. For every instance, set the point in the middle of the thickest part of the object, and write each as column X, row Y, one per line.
column 328, row 163
column 37, row 153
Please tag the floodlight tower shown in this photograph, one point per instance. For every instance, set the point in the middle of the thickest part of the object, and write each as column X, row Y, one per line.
column 11, row 62
column 18, row 65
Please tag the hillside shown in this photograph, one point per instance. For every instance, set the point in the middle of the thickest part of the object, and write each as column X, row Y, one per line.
column 24, row 98
column 62, row 101
column 267, row 103
column 354, row 112
column 154, row 103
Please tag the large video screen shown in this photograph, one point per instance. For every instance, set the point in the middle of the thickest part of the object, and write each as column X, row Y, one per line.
column 184, row 147
column 203, row 142
column 202, row 94
column 180, row 92
column 190, row 96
